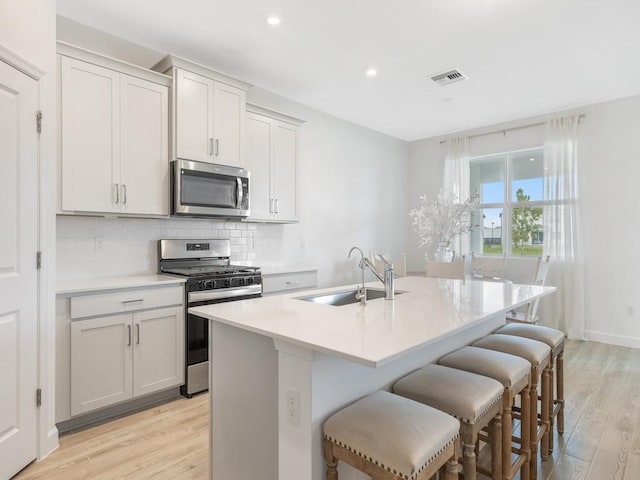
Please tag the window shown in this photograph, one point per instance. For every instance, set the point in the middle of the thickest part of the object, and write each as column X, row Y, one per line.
column 510, row 215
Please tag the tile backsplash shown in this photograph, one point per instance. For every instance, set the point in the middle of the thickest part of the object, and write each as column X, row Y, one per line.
column 89, row 247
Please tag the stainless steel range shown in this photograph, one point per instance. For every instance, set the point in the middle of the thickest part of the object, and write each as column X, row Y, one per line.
column 210, row 279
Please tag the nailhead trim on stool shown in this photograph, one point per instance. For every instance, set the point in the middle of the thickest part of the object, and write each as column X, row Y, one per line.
column 472, row 399
column 513, row 373
column 384, row 434
column 555, row 339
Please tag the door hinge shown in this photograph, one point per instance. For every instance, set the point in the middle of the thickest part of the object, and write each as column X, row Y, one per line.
column 39, row 121
column 38, row 260
column 39, row 397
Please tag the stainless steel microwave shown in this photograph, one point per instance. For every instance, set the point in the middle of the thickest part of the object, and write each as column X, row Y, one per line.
column 203, row 189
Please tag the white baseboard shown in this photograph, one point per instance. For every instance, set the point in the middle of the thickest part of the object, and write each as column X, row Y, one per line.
column 620, row 340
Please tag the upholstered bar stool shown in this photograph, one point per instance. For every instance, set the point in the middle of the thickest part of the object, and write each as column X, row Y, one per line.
column 472, row 399
column 555, row 340
column 389, row 437
column 538, row 354
column 513, row 373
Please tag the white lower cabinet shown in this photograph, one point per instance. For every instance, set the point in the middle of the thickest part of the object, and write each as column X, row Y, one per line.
column 119, row 357
column 122, row 345
column 100, row 363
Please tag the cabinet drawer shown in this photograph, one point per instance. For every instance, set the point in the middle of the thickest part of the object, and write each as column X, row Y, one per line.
column 289, row 281
column 125, row 301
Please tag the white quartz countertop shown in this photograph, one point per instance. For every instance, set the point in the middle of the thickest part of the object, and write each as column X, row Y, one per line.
column 67, row 287
column 429, row 310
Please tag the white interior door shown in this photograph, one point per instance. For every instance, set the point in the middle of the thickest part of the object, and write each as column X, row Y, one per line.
column 18, row 274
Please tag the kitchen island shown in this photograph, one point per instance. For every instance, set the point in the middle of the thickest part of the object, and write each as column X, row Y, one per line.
column 282, row 365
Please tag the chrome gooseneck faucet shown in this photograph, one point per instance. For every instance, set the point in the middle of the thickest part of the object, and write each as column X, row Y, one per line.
column 387, row 279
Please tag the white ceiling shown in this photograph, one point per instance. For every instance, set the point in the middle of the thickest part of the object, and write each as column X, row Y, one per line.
column 523, row 57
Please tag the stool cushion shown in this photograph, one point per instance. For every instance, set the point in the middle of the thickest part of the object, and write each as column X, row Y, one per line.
column 464, row 395
column 398, row 434
column 550, row 336
column 505, row 368
column 531, row 350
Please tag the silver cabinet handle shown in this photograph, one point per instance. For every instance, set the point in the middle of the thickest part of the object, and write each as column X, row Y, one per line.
column 211, row 146
column 124, row 193
column 275, row 203
column 291, row 283
column 129, row 330
column 217, row 149
column 138, row 333
column 239, row 192
column 137, row 300
column 117, row 193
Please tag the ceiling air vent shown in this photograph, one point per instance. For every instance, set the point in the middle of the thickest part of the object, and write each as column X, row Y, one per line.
column 446, row 78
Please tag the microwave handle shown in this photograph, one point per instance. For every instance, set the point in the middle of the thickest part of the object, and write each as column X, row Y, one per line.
column 240, row 192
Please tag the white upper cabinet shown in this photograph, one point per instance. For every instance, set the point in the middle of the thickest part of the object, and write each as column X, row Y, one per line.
column 144, row 132
column 90, row 137
column 209, row 113
column 194, row 116
column 114, row 132
column 272, row 157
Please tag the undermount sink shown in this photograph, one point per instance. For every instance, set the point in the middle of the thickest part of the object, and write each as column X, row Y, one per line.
column 344, row 297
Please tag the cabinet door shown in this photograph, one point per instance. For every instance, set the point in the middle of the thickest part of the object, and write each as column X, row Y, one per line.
column 284, row 171
column 229, row 115
column 258, row 160
column 90, row 137
column 158, row 353
column 194, row 117
column 100, row 362
column 144, row 110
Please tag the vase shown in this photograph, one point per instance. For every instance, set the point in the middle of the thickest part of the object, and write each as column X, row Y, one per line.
column 443, row 253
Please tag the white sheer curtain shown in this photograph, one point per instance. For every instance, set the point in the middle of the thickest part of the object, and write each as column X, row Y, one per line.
column 565, row 308
column 456, row 181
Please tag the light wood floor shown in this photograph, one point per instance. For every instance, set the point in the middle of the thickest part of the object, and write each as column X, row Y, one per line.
column 601, row 439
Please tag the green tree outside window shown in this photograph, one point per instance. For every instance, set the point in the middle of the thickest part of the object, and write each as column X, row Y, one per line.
column 525, row 222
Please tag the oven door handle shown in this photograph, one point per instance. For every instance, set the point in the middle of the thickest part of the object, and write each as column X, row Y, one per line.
column 223, row 293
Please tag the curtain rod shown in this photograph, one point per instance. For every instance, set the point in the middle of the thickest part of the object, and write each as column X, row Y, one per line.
column 505, row 130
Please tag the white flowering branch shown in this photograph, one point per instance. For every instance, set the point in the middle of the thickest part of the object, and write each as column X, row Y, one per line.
column 442, row 219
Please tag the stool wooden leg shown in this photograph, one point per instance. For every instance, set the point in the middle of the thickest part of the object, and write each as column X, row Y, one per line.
column 507, row 427
column 552, row 396
column 560, row 389
column 495, row 429
column 533, row 423
column 451, row 472
column 468, row 452
column 546, row 413
column 525, row 433
column 331, row 461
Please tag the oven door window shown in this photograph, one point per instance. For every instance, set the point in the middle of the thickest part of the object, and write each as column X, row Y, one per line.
column 208, row 190
column 197, row 340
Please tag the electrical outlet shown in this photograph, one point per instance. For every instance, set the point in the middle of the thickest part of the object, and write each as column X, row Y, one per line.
column 99, row 243
column 293, row 405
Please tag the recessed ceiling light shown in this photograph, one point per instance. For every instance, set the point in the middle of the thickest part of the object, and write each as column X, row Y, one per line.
column 273, row 20
column 371, row 72
column 532, row 159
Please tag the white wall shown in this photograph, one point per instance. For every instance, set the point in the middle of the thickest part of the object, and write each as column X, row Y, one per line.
column 28, row 29
column 353, row 182
column 609, row 172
